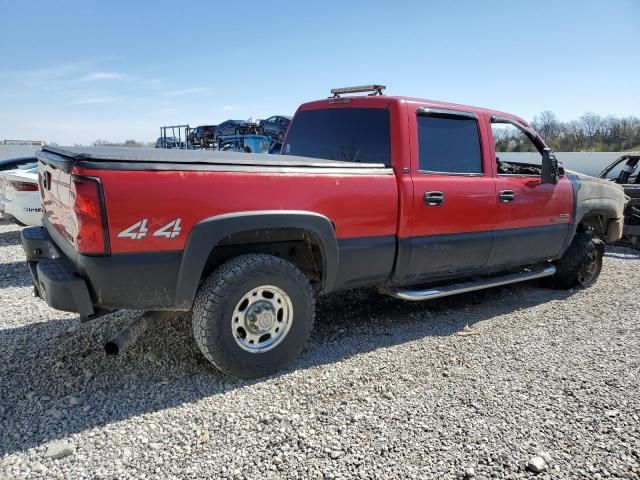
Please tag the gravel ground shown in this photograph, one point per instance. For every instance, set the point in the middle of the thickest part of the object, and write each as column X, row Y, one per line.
column 384, row 390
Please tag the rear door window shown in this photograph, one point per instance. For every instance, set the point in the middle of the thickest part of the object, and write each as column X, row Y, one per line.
column 345, row 134
column 449, row 143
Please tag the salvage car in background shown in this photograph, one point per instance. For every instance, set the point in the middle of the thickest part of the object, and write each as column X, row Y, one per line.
column 624, row 171
column 20, row 197
column 276, row 126
column 203, row 135
column 169, row 142
column 236, row 127
column 17, row 162
column 250, row 143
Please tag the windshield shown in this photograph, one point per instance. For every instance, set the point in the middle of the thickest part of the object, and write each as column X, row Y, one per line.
column 345, row 134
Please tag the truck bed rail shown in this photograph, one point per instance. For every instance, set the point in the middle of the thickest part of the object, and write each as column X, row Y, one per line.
column 190, row 157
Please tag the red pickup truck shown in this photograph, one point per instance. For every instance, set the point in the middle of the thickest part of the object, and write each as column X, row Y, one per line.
column 403, row 194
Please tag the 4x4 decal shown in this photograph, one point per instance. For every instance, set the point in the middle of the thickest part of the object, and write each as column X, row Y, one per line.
column 170, row 230
column 139, row 230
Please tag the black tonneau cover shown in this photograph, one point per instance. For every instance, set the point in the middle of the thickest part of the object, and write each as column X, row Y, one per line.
column 148, row 156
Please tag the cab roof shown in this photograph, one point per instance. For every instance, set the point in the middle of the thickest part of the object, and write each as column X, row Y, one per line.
column 384, row 101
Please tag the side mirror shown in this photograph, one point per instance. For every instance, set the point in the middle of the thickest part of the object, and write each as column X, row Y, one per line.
column 550, row 169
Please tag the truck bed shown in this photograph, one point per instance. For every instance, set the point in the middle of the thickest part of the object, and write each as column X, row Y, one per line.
column 131, row 158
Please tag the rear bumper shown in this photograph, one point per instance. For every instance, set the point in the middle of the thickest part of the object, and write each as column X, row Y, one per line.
column 79, row 283
column 54, row 277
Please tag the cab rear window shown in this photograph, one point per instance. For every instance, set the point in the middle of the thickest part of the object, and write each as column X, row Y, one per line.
column 344, row 134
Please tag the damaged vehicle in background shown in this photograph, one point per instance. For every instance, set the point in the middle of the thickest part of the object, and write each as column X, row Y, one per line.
column 20, row 195
column 275, row 126
column 203, row 135
column 624, row 171
column 236, row 127
column 250, row 143
column 169, row 142
column 17, row 163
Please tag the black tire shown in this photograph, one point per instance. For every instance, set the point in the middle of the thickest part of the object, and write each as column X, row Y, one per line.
column 218, row 298
column 581, row 264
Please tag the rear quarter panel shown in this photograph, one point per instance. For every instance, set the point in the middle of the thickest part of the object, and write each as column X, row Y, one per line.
column 358, row 205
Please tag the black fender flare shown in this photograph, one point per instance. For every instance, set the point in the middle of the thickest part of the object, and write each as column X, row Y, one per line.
column 208, row 233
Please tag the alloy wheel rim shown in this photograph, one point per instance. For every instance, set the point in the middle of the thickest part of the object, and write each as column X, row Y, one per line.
column 262, row 319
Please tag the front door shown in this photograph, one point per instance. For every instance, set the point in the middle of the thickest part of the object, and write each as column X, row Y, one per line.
column 533, row 218
column 454, row 195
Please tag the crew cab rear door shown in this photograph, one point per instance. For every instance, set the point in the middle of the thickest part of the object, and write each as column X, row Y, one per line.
column 532, row 218
column 453, row 195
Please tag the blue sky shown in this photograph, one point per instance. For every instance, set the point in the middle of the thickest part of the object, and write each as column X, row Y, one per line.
column 74, row 72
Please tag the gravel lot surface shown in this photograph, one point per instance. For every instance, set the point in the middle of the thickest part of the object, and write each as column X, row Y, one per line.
column 541, row 380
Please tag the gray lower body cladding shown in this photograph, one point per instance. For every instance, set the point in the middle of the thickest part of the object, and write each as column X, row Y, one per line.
column 72, row 282
column 152, row 281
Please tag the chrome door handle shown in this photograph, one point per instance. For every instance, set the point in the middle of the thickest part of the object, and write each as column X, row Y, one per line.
column 434, row 199
column 507, row 196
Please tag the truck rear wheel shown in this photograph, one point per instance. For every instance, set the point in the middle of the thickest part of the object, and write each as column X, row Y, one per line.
column 253, row 315
column 581, row 264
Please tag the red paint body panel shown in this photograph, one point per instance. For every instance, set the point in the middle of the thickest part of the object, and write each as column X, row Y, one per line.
column 400, row 149
column 535, row 204
column 358, row 205
column 469, row 204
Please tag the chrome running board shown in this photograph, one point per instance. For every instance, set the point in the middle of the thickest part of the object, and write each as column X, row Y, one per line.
column 455, row 288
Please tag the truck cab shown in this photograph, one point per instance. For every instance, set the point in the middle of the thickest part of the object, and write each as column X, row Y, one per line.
column 460, row 207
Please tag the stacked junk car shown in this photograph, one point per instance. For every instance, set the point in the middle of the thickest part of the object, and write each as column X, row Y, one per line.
column 262, row 136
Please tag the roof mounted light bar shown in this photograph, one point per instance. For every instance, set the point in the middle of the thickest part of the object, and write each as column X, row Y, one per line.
column 374, row 89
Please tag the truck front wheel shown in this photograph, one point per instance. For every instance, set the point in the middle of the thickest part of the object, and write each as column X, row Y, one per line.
column 253, row 315
column 581, row 264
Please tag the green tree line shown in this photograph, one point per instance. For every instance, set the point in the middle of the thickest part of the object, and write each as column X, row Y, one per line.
column 590, row 132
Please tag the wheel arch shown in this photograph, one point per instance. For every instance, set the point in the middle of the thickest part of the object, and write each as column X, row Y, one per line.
column 595, row 208
column 596, row 214
column 594, row 220
column 592, row 216
column 209, row 234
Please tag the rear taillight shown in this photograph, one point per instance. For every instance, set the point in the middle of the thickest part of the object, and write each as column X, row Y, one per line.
column 23, row 186
column 92, row 237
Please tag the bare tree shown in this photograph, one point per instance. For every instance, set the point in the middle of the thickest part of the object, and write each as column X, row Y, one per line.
column 547, row 125
column 591, row 126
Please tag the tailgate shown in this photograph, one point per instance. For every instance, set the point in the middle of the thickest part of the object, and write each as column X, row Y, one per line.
column 55, row 189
